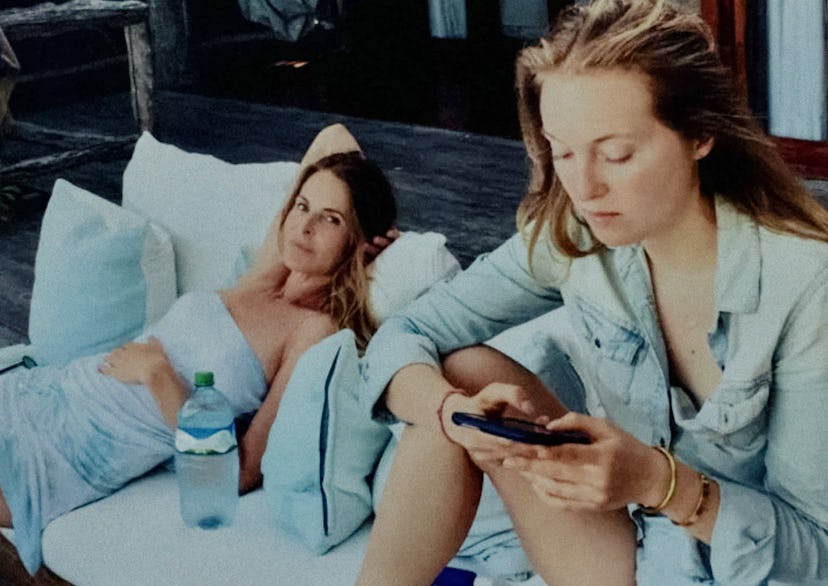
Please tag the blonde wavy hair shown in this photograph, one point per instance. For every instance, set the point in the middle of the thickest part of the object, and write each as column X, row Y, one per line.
column 693, row 93
column 372, row 213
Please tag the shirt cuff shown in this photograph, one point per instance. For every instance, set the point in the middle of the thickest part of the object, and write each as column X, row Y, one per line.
column 378, row 368
column 743, row 543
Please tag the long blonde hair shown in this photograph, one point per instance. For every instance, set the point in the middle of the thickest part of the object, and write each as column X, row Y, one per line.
column 373, row 211
column 694, row 95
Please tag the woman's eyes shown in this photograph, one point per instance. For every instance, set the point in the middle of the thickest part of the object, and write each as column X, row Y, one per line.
column 617, row 157
column 332, row 219
column 620, row 157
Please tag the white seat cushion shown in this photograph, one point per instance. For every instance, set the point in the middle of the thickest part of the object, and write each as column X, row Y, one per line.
column 136, row 537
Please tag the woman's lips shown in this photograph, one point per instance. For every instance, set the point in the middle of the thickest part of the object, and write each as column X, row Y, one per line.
column 599, row 217
column 300, row 246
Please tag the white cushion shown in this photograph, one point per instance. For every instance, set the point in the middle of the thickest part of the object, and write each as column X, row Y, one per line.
column 10, row 356
column 407, row 268
column 212, row 208
column 102, row 273
column 136, row 537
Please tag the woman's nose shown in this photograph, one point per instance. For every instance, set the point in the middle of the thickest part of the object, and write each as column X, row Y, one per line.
column 310, row 221
column 588, row 182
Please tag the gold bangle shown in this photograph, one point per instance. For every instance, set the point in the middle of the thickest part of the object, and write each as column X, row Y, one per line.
column 671, row 490
column 704, row 489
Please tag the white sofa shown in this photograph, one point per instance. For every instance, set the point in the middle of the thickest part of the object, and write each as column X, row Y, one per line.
column 135, row 536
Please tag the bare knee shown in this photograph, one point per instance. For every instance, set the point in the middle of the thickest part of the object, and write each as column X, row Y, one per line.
column 475, row 367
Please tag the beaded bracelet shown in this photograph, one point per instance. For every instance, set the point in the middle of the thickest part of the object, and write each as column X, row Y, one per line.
column 440, row 410
column 704, row 489
column 671, row 490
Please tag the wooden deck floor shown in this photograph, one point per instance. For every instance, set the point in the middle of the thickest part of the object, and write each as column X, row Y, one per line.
column 464, row 185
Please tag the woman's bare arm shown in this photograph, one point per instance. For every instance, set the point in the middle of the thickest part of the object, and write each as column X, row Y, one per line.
column 330, row 140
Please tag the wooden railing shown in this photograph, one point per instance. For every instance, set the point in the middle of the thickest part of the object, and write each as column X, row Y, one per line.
column 48, row 20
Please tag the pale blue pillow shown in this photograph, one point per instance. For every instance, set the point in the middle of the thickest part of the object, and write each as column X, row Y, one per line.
column 101, row 274
column 323, row 448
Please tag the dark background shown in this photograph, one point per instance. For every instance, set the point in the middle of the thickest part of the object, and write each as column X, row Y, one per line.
column 379, row 61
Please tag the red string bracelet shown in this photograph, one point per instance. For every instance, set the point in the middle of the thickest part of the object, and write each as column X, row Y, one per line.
column 440, row 410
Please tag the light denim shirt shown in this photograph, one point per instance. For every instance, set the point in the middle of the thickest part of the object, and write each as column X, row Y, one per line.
column 763, row 433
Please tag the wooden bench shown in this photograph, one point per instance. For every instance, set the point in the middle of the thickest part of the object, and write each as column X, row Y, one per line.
column 49, row 20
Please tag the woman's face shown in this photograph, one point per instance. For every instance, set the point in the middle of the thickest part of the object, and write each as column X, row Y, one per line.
column 630, row 177
column 316, row 230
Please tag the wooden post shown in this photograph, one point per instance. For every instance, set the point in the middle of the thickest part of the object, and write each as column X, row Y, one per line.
column 169, row 25
column 48, row 19
column 141, row 75
column 9, row 68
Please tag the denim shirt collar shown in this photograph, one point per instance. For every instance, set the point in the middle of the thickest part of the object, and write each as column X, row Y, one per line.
column 738, row 267
column 739, row 260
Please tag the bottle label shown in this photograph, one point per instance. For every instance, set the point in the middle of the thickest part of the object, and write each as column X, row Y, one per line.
column 205, row 441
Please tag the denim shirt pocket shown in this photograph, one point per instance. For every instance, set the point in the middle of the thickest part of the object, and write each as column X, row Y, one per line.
column 734, row 417
column 616, row 348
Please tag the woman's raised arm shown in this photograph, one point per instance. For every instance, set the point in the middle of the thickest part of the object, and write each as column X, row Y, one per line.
column 330, row 140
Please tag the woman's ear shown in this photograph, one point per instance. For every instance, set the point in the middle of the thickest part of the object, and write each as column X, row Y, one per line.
column 702, row 147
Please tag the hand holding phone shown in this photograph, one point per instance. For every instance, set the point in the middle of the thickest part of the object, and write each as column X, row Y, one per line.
column 520, row 430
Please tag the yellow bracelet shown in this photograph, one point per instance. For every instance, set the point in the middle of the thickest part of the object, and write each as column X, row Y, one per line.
column 671, row 490
column 704, row 489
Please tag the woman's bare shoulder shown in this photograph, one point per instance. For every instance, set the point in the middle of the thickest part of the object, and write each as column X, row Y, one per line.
column 315, row 326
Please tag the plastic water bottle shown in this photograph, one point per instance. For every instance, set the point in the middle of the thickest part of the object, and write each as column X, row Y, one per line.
column 206, row 457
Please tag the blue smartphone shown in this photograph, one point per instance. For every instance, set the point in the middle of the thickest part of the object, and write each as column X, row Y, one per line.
column 520, row 430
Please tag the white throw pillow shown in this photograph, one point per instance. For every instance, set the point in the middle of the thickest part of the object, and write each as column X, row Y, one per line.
column 407, row 268
column 102, row 273
column 211, row 208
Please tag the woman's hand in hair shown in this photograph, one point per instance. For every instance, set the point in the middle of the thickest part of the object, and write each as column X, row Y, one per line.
column 379, row 243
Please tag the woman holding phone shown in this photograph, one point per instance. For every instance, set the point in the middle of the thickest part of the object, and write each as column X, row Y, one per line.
column 666, row 226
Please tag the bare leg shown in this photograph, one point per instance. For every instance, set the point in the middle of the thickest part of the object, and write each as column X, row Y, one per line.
column 427, row 507
column 562, row 547
column 5, row 513
column 475, row 367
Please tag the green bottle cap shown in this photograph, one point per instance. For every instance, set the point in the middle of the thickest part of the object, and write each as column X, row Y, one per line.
column 204, row 379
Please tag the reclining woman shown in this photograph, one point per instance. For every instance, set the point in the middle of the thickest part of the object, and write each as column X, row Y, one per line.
column 71, row 435
column 664, row 224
